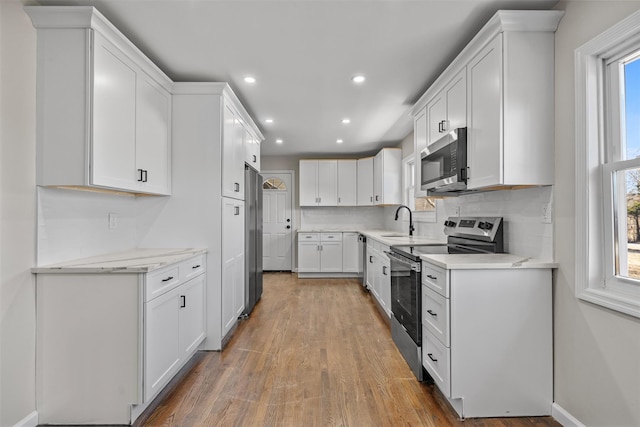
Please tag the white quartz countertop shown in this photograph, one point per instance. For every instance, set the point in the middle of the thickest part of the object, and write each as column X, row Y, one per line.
column 486, row 261
column 389, row 238
column 132, row 261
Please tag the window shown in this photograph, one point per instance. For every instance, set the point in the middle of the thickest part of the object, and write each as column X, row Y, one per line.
column 423, row 208
column 608, row 168
column 274, row 184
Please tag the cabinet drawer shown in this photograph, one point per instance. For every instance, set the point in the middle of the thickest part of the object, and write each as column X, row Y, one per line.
column 435, row 314
column 331, row 237
column 435, row 278
column 308, row 237
column 160, row 281
column 436, row 359
column 193, row 267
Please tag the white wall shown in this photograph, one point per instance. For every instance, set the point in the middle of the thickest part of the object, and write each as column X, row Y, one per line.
column 17, row 213
column 597, row 351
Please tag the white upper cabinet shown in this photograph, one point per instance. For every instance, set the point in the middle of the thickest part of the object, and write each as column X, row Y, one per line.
column 103, row 109
column 365, row 181
column 232, row 154
column 419, row 144
column 510, row 132
column 318, row 182
column 251, row 150
column 448, row 110
column 387, row 177
column 347, row 182
column 501, row 87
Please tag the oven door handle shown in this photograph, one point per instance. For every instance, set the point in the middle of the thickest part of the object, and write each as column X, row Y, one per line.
column 413, row 265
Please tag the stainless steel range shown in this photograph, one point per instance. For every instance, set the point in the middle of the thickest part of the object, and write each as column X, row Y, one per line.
column 464, row 235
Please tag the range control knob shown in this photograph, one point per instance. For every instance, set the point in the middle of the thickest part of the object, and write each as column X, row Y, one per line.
column 449, row 223
column 485, row 225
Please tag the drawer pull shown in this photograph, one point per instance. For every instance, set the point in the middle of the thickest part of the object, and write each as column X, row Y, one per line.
column 431, row 357
column 167, row 279
column 432, row 277
column 432, row 313
column 196, row 266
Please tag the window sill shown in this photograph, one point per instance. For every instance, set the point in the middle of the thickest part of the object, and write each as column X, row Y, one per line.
column 612, row 299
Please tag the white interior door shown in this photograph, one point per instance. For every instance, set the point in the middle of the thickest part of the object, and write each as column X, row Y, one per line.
column 277, row 221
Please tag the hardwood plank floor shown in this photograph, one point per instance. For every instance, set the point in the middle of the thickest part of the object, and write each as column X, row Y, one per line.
column 314, row 352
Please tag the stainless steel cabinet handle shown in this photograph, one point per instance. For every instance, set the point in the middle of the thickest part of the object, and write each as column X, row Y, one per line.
column 184, row 301
column 236, row 210
column 236, row 187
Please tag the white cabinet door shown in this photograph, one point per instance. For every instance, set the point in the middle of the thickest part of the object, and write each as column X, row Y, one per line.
column 232, row 262
column 113, row 146
column 331, row 257
column 327, row 182
column 232, row 155
column 308, row 182
column 162, row 341
column 371, row 268
column 385, row 283
column 192, row 318
column 387, row 177
column 308, row 257
column 351, row 256
column 437, row 115
column 251, row 150
column 484, row 148
column 347, row 182
column 456, row 95
column 365, row 181
column 153, row 130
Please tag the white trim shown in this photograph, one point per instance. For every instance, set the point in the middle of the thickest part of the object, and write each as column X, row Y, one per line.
column 563, row 417
column 30, row 420
column 589, row 156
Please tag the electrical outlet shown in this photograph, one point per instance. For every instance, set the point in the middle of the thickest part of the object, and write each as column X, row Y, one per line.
column 546, row 213
column 113, row 221
column 456, row 211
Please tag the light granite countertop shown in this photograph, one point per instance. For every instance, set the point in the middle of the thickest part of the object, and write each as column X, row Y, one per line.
column 486, row 261
column 142, row 260
column 389, row 238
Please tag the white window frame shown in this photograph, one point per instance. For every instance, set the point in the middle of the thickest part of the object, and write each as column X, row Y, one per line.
column 409, row 191
column 595, row 249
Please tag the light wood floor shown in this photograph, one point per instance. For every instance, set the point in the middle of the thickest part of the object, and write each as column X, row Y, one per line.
column 313, row 353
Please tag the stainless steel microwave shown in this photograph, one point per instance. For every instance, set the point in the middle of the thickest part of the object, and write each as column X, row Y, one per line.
column 444, row 163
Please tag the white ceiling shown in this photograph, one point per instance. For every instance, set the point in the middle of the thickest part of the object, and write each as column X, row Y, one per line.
column 303, row 54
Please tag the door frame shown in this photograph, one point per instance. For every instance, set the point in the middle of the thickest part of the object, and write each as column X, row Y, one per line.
column 294, row 210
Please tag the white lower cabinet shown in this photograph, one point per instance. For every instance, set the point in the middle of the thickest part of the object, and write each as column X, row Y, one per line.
column 487, row 339
column 319, row 252
column 379, row 274
column 351, row 253
column 232, row 262
column 112, row 341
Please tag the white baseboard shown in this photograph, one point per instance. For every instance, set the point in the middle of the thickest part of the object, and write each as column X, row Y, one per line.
column 30, row 420
column 564, row 417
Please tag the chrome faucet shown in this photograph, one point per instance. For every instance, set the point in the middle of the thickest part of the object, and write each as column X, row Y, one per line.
column 411, row 227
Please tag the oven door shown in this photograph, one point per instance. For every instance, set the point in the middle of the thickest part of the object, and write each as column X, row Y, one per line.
column 406, row 297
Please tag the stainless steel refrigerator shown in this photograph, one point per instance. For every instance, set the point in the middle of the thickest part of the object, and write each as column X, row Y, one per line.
column 253, row 238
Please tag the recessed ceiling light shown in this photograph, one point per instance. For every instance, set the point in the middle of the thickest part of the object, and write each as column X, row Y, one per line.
column 346, row 121
column 278, row 141
column 358, row 78
column 268, row 120
column 339, row 141
column 249, row 79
